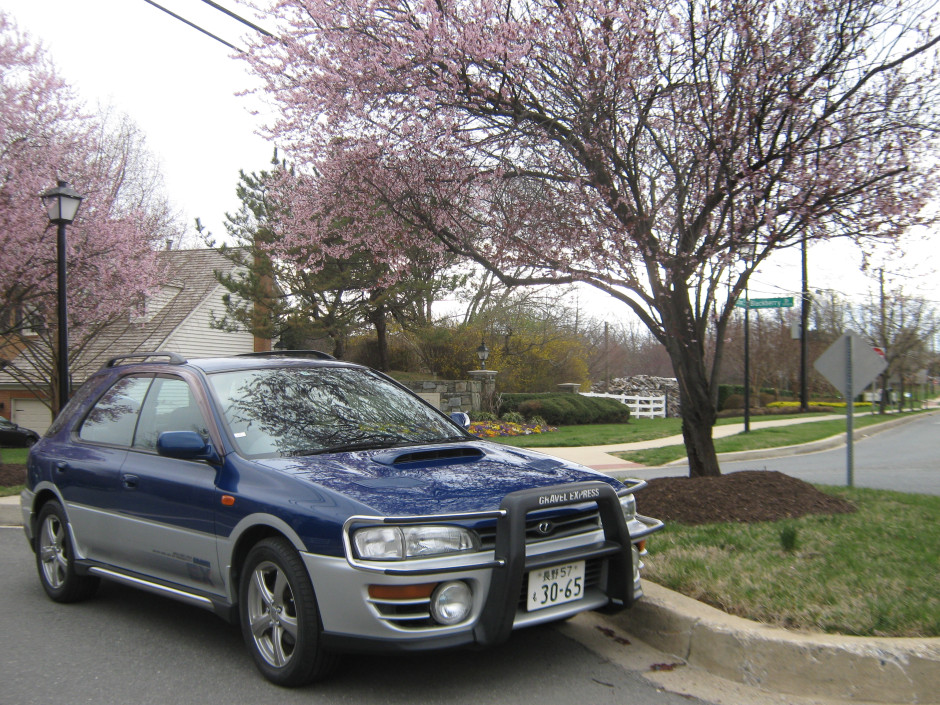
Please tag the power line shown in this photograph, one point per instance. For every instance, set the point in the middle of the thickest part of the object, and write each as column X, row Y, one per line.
column 194, row 25
column 237, row 17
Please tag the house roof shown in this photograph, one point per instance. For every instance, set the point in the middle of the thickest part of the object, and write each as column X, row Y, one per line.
column 190, row 279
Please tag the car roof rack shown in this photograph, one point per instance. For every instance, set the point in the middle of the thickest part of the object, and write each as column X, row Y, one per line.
column 290, row 353
column 174, row 358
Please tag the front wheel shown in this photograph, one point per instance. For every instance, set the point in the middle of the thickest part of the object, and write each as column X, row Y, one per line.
column 55, row 559
column 279, row 616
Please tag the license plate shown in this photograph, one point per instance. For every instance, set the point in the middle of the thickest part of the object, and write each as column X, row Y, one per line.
column 555, row 585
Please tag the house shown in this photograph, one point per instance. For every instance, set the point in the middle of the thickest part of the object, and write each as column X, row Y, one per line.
column 178, row 318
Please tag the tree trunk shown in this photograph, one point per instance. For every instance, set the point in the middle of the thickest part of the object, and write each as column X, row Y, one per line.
column 695, row 396
column 698, row 419
column 381, row 331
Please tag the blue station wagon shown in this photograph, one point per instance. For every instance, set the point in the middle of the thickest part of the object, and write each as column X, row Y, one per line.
column 322, row 506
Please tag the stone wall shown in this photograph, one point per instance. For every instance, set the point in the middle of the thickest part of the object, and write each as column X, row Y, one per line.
column 449, row 395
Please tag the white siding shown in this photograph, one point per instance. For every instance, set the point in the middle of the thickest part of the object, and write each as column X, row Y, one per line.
column 195, row 336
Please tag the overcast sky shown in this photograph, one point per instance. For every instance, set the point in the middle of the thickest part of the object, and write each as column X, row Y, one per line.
column 179, row 86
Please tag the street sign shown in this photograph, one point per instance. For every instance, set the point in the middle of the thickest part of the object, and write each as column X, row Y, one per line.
column 866, row 364
column 779, row 302
column 850, row 364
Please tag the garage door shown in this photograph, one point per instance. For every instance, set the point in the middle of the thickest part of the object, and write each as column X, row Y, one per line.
column 32, row 414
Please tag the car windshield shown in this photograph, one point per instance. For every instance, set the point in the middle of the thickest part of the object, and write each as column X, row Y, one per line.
column 291, row 411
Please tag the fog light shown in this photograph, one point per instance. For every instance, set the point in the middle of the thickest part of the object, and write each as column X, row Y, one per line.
column 451, row 603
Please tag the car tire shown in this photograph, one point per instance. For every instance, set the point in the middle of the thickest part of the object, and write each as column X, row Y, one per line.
column 55, row 559
column 279, row 617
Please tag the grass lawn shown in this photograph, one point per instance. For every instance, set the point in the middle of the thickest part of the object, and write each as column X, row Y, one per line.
column 774, row 437
column 606, row 434
column 871, row 573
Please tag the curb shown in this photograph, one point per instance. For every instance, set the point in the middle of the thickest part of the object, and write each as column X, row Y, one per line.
column 871, row 669
column 10, row 511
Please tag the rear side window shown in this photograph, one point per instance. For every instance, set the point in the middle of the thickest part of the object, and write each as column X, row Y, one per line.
column 113, row 418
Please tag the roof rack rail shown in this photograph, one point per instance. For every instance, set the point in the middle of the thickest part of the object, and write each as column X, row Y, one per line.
column 174, row 358
column 290, row 353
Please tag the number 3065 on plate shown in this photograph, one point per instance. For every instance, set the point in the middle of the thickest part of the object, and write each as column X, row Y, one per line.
column 555, row 585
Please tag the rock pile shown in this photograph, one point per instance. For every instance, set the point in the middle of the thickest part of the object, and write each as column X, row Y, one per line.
column 644, row 385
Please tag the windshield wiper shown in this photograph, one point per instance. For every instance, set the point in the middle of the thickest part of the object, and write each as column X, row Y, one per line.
column 374, row 444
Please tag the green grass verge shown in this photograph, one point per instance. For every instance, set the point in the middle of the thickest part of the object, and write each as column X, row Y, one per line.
column 871, row 573
column 607, row 434
column 756, row 439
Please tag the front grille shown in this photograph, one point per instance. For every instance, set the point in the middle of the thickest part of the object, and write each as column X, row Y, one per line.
column 540, row 527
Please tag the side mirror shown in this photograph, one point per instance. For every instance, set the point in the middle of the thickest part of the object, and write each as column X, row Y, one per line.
column 461, row 419
column 184, row 445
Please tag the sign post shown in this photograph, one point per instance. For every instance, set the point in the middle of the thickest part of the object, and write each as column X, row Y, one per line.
column 747, row 304
column 850, row 365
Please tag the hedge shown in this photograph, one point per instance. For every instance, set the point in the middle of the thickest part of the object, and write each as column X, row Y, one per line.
column 565, row 409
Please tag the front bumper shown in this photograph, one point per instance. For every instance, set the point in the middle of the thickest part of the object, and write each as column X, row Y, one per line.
column 497, row 578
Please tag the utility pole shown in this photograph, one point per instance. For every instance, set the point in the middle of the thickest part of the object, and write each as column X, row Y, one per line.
column 606, row 357
column 884, row 343
column 804, row 337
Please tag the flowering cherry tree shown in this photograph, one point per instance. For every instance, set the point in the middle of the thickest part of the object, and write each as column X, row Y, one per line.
column 658, row 150
column 45, row 135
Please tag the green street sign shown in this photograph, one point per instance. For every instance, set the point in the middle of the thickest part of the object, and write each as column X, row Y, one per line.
column 780, row 302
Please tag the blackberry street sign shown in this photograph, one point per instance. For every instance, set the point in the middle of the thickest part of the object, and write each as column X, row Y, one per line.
column 779, row 302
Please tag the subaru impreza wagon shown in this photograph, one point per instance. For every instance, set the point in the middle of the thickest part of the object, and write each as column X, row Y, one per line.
column 322, row 506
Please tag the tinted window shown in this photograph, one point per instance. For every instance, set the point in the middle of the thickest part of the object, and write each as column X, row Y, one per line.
column 113, row 419
column 294, row 411
column 170, row 406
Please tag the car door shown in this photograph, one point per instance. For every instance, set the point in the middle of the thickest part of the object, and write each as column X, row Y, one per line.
column 86, row 470
column 168, row 505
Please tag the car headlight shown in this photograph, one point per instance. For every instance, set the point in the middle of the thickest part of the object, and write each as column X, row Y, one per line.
column 628, row 505
column 395, row 543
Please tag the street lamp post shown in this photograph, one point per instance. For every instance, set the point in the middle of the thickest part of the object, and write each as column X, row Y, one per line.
column 483, row 353
column 62, row 205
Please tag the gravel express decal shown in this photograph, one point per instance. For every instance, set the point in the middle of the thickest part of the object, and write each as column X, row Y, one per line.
column 574, row 496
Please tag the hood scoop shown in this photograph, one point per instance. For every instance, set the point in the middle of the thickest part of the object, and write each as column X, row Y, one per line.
column 429, row 456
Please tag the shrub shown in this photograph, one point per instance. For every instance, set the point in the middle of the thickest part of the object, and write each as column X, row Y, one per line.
column 483, row 416
column 513, row 417
column 563, row 409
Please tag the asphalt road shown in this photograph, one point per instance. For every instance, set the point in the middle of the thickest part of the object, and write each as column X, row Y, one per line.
column 126, row 646
column 905, row 458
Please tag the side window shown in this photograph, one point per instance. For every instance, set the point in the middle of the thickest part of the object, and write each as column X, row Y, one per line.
column 170, row 406
column 113, row 419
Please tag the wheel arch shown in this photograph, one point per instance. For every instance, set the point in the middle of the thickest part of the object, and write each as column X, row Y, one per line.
column 248, row 532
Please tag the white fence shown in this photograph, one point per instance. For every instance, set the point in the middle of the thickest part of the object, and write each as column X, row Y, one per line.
column 641, row 407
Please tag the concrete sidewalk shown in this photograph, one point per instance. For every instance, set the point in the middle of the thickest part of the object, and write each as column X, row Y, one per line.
column 789, row 667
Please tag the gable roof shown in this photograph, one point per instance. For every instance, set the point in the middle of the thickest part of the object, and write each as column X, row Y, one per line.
column 189, row 282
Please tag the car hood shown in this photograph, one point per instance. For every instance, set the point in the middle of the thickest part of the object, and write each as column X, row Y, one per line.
column 434, row 479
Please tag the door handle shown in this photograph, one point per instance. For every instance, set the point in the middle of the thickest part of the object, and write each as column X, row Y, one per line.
column 130, row 481
column 61, row 466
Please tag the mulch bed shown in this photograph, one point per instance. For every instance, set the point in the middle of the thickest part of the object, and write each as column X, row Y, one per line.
column 747, row 496
column 11, row 474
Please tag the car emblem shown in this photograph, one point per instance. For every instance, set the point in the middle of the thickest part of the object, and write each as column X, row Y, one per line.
column 545, row 527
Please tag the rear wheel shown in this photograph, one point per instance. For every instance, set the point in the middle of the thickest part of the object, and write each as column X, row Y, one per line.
column 279, row 616
column 55, row 559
